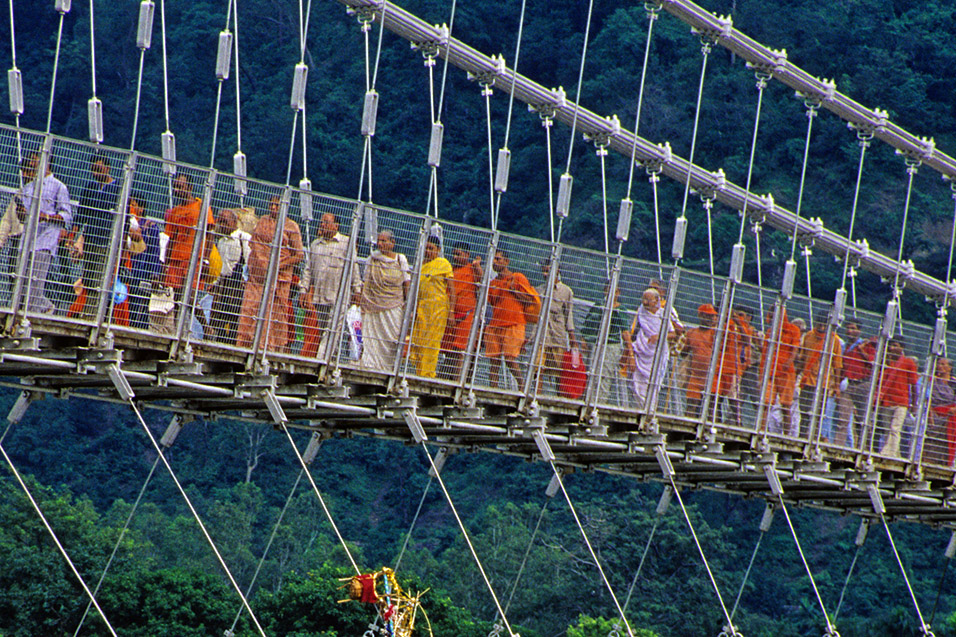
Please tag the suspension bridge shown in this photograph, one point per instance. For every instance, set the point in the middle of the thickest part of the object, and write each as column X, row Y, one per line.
column 124, row 341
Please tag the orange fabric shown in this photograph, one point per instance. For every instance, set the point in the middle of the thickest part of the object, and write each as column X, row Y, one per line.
column 781, row 386
column 278, row 310
column 466, row 300
column 812, row 355
column 783, row 376
column 700, row 345
column 311, row 334
column 895, row 382
column 785, row 350
column 746, row 341
column 181, row 227
column 507, row 340
column 508, row 310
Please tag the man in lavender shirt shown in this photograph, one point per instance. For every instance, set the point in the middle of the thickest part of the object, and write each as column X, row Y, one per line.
column 54, row 218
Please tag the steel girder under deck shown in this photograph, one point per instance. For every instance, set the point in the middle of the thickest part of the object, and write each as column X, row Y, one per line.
column 216, row 384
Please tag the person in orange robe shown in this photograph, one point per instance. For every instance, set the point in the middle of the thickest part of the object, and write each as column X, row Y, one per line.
column 465, row 280
column 181, row 222
column 809, row 359
column 508, row 295
column 700, row 348
column 783, row 377
column 277, row 310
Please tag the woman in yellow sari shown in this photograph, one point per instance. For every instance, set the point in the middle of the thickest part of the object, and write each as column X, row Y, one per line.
column 435, row 296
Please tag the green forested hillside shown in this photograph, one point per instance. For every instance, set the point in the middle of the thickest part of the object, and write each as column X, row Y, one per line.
column 91, row 459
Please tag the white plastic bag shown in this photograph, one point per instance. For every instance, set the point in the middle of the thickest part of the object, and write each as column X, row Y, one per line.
column 353, row 323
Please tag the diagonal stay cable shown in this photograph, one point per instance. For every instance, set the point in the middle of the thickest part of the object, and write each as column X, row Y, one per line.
column 408, row 535
column 743, row 582
column 860, row 539
column 119, row 542
column 192, row 509
column 590, row 548
column 318, row 494
column 662, row 507
column 803, row 558
column 700, row 550
column 464, row 532
column 909, row 587
column 265, row 551
column 59, row 546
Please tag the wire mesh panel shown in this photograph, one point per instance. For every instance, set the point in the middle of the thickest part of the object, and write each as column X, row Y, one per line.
column 511, row 313
column 452, row 268
column 324, row 309
column 142, row 268
column 895, row 402
column 91, row 250
column 387, row 246
column 17, row 170
column 46, row 211
column 587, row 274
column 265, row 320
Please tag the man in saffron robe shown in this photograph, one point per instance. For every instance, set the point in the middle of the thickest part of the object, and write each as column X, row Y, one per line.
column 466, row 276
column 700, row 349
column 508, row 294
column 897, row 394
column 780, row 386
column 811, row 356
column 181, row 224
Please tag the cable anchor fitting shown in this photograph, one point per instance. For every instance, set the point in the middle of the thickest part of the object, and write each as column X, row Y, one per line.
column 365, row 16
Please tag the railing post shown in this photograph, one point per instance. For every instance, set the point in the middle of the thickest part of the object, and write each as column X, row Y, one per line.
column 658, row 372
column 337, row 318
column 771, row 342
column 477, row 325
column 530, row 389
column 924, row 406
column 717, row 355
column 110, row 271
column 411, row 306
column 876, row 378
column 199, row 241
column 266, row 302
column 25, row 261
column 597, row 361
column 824, row 369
